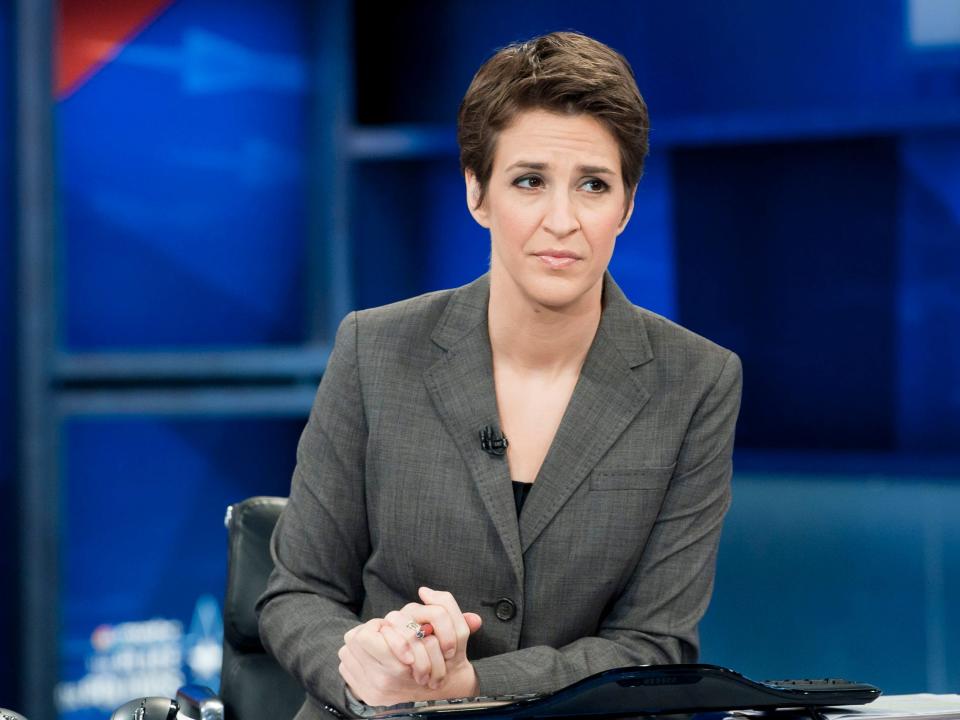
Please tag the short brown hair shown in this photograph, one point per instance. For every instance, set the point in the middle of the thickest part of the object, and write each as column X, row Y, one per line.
column 564, row 72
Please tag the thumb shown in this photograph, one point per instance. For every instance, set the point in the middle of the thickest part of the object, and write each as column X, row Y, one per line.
column 474, row 621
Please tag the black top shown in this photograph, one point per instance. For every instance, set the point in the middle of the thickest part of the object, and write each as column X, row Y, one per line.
column 520, row 492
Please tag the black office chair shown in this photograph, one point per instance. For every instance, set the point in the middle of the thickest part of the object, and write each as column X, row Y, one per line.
column 252, row 685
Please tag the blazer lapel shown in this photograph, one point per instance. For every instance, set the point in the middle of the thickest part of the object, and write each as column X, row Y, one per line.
column 461, row 386
column 606, row 399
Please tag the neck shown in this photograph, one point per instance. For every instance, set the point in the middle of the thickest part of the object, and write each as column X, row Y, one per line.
column 533, row 337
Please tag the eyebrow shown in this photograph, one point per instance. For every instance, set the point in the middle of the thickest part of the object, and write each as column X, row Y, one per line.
column 586, row 169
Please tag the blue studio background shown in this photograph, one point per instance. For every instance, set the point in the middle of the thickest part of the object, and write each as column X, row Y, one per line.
column 237, row 175
column 8, row 527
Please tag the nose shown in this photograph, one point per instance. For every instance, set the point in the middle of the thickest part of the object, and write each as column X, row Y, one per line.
column 561, row 217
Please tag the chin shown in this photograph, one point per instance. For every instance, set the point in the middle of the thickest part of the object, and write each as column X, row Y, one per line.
column 558, row 292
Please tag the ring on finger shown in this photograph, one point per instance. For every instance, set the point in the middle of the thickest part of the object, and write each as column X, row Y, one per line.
column 417, row 629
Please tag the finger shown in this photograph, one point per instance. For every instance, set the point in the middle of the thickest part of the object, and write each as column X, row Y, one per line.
column 442, row 624
column 405, row 627
column 398, row 644
column 474, row 621
column 370, row 641
column 350, row 680
column 366, row 674
column 438, row 666
column 422, row 665
column 361, row 686
column 351, row 672
column 428, row 620
column 352, row 660
column 446, row 600
column 350, row 636
column 351, row 632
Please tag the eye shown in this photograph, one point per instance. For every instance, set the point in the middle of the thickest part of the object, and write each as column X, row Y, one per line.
column 534, row 179
column 596, row 186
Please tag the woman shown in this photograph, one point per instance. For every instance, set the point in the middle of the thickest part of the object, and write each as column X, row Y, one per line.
column 619, row 428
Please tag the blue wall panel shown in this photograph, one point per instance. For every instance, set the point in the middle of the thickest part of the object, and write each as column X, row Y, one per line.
column 840, row 575
column 643, row 261
column 458, row 248
column 8, row 528
column 928, row 418
column 757, row 60
column 391, row 204
column 183, row 183
column 748, row 56
column 787, row 254
column 144, row 548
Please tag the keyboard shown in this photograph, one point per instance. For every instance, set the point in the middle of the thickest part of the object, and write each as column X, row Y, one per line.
column 645, row 690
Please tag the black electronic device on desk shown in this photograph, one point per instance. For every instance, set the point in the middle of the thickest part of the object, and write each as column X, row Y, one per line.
column 644, row 690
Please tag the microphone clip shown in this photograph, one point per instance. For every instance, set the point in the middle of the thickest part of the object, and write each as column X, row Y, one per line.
column 492, row 441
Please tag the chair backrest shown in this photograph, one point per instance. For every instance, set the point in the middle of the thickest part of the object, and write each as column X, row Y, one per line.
column 252, row 685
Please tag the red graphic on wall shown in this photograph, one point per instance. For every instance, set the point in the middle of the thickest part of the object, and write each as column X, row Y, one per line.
column 90, row 33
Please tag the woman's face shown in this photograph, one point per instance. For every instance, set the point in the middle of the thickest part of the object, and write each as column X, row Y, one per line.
column 554, row 207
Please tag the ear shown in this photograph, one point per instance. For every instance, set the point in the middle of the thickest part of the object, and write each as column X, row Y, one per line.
column 629, row 213
column 473, row 192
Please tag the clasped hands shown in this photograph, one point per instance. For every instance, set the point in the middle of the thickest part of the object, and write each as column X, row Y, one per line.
column 384, row 662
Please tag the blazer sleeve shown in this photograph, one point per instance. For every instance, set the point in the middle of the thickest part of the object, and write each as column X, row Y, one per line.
column 321, row 541
column 654, row 620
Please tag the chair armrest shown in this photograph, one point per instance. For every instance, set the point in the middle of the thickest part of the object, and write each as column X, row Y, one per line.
column 199, row 703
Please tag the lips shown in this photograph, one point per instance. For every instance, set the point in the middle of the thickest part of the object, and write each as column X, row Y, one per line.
column 557, row 259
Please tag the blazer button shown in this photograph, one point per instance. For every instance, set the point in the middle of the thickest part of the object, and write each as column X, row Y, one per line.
column 505, row 609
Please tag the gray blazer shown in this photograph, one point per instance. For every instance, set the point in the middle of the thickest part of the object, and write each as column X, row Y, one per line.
column 612, row 560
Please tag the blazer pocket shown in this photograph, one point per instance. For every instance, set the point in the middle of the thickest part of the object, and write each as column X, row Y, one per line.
column 649, row 478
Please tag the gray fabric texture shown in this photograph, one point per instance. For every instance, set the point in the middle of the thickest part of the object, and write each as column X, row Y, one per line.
column 612, row 560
